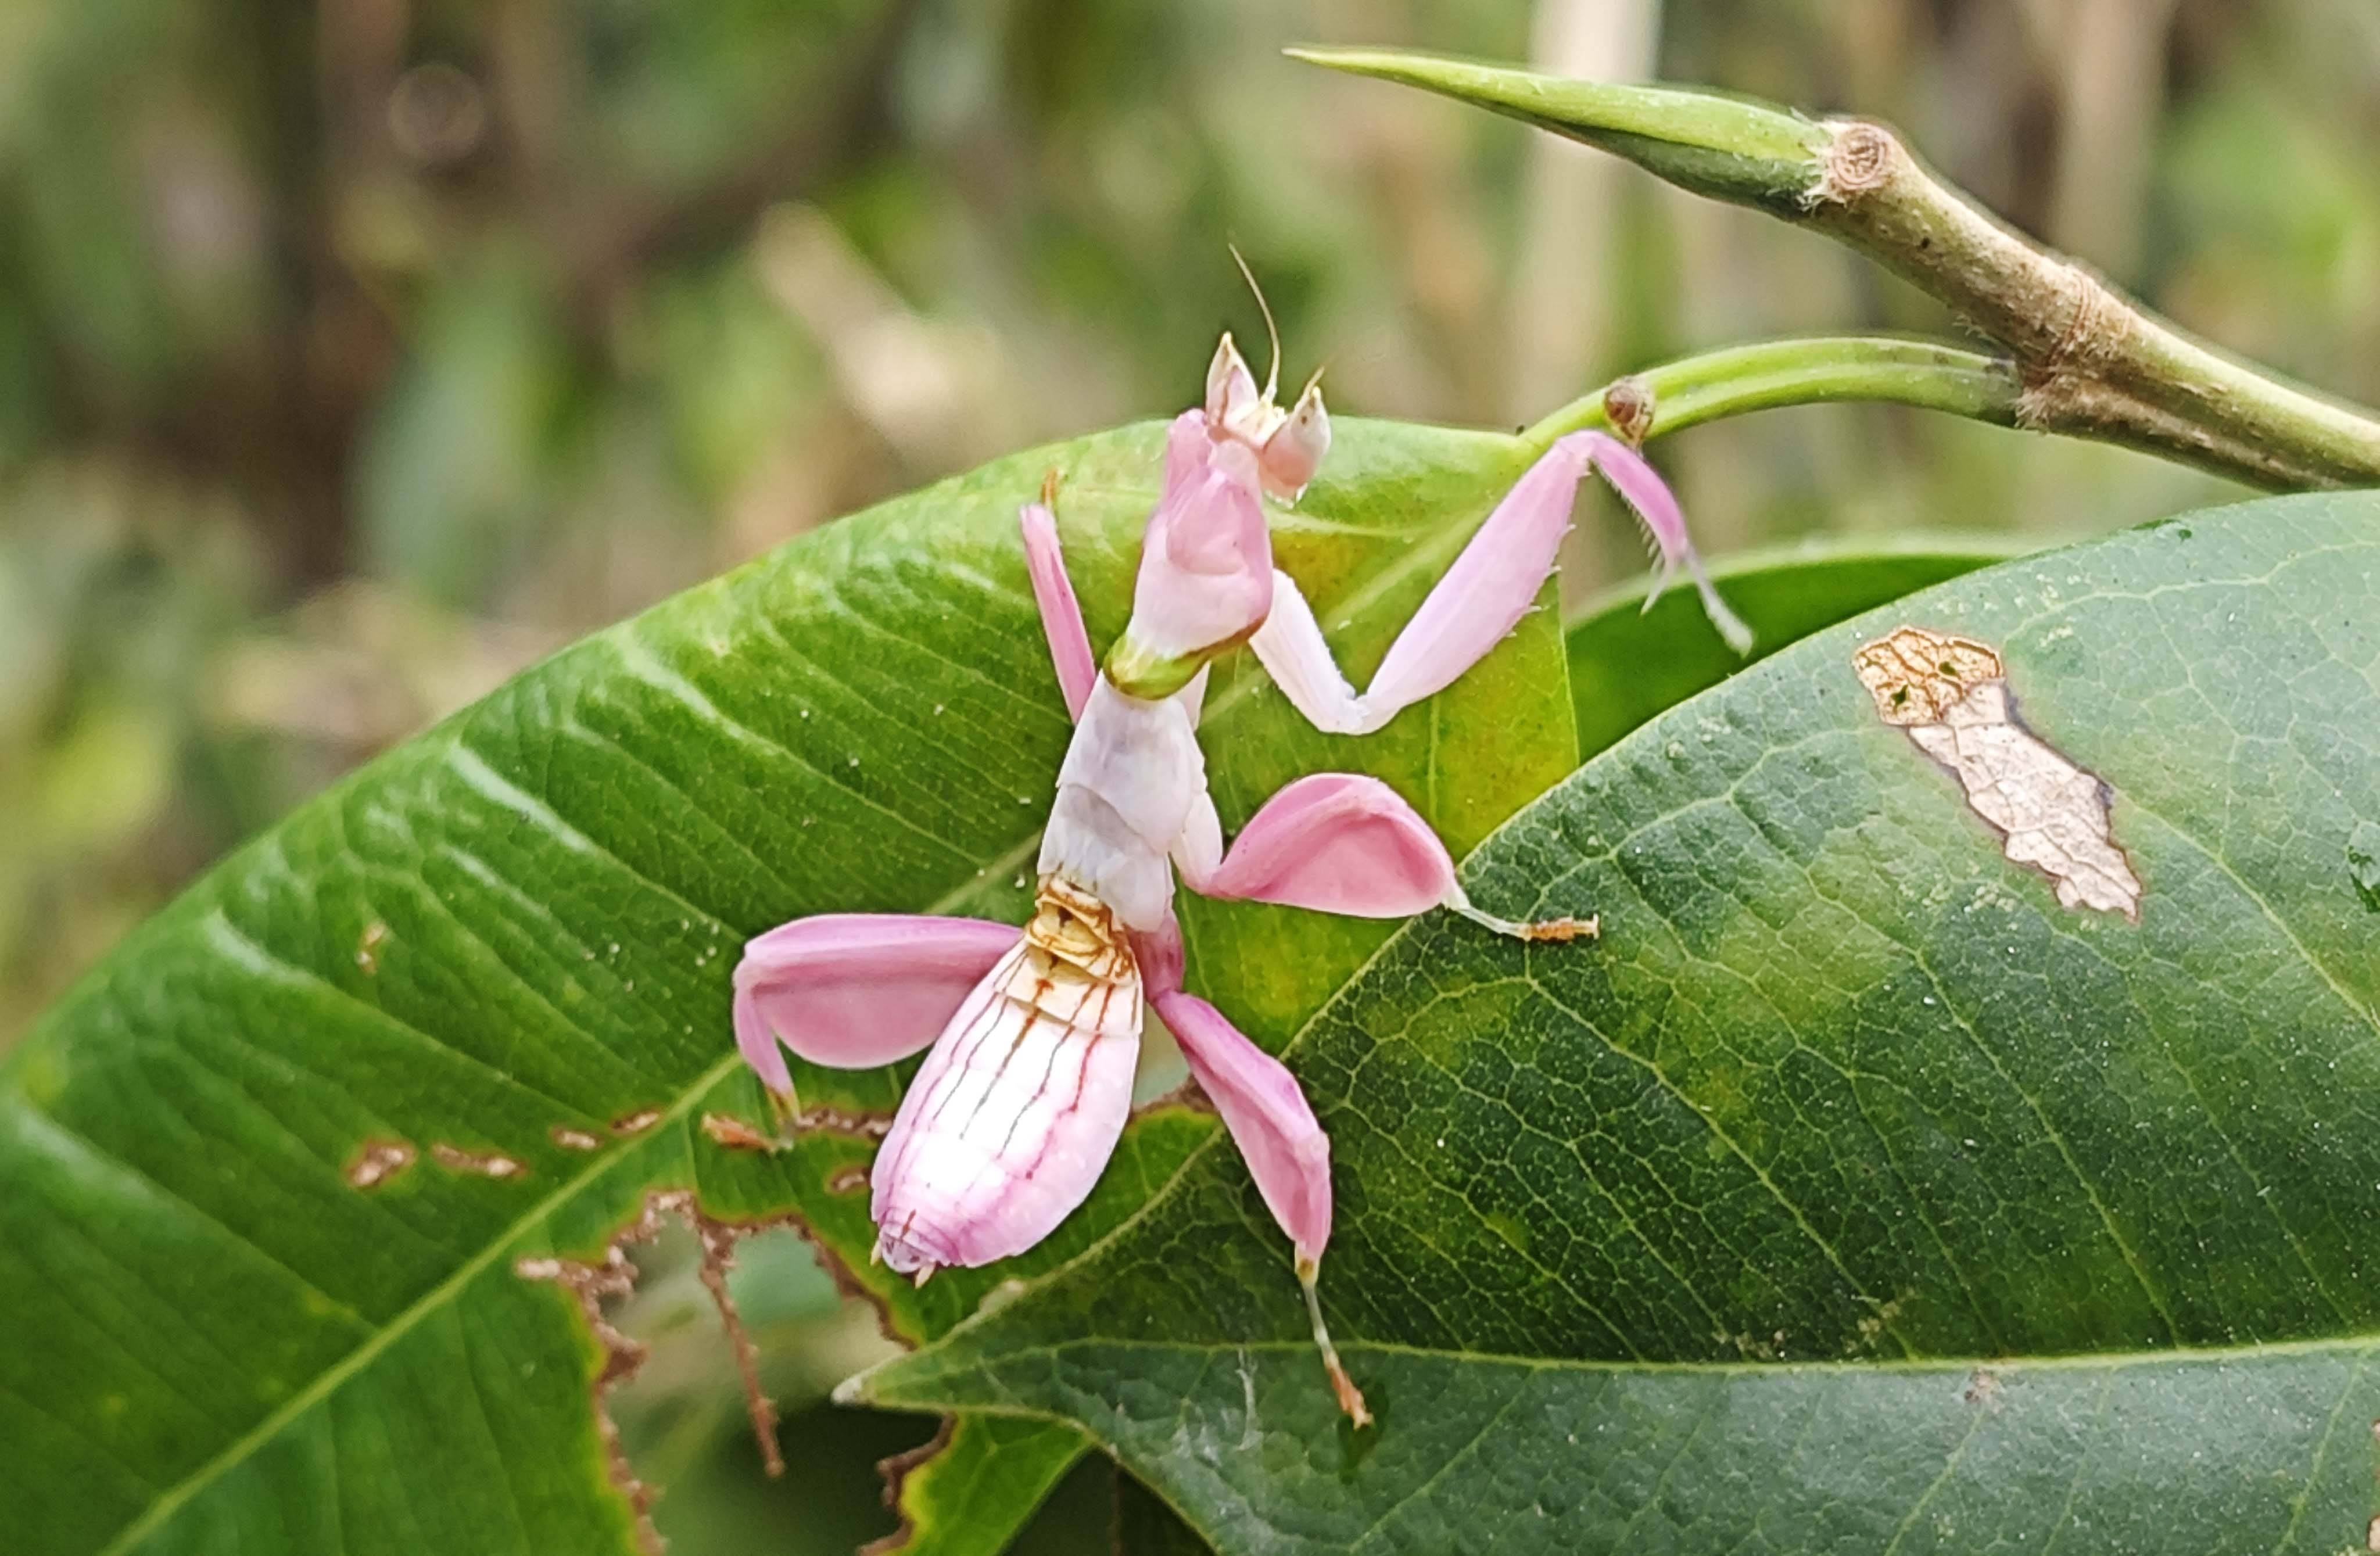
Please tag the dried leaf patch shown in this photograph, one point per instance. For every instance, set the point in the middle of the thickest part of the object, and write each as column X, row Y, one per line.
column 377, row 1162
column 485, row 1163
column 731, row 1133
column 1951, row 696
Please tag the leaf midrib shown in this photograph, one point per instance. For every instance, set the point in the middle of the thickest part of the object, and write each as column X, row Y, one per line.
column 328, row 1382
column 331, row 1379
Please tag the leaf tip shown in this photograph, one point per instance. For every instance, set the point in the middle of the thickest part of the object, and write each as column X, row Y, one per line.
column 1324, row 54
column 1390, row 64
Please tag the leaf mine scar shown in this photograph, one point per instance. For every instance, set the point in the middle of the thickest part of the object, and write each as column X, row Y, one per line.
column 1951, row 696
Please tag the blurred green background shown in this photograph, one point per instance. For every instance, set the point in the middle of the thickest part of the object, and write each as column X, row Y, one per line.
column 353, row 355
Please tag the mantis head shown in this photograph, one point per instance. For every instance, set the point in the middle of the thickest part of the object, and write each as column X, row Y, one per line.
column 1289, row 445
column 1206, row 575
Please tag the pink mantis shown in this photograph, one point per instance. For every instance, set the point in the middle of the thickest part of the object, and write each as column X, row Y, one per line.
column 1035, row 1032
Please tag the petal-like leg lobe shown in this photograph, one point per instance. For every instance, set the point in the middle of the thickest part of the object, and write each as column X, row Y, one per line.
column 1272, row 1122
column 1336, row 842
column 853, row 991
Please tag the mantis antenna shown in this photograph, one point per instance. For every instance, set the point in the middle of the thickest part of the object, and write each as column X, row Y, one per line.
column 1272, row 336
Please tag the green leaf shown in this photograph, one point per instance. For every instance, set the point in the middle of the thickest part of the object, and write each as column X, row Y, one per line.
column 1628, row 662
column 978, row 1483
column 1849, row 1193
column 1728, row 147
column 511, row 938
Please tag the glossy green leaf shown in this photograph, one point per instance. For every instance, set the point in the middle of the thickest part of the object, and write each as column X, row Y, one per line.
column 979, row 1483
column 512, row 939
column 1628, row 662
column 1849, row 1193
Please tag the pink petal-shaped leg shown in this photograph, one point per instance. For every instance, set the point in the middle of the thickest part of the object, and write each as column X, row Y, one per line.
column 1491, row 586
column 1336, row 842
column 1649, row 497
column 1267, row 1113
column 1062, row 615
column 853, row 991
column 1343, row 843
column 1482, row 596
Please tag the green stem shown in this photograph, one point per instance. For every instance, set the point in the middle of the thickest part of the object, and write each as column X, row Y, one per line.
column 1808, row 371
column 2087, row 361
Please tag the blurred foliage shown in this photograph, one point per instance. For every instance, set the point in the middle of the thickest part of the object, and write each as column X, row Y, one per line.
column 353, row 355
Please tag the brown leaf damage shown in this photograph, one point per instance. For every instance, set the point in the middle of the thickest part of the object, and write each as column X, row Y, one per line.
column 731, row 1133
column 896, row 1471
column 484, row 1164
column 590, row 1283
column 1951, row 696
column 376, row 1161
column 612, row 1278
column 865, row 1126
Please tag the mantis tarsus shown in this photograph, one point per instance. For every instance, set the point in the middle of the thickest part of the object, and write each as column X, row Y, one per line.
column 1035, row 1032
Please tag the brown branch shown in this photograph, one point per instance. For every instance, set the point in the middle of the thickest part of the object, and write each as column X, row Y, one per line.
column 2093, row 363
column 2090, row 361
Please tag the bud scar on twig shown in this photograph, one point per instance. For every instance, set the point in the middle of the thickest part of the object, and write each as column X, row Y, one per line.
column 1951, row 695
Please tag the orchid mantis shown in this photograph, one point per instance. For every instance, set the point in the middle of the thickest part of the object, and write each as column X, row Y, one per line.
column 1035, row 1033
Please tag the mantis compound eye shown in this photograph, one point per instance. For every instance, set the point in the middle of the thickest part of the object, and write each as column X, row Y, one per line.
column 1297, row 447
column 1235, row 405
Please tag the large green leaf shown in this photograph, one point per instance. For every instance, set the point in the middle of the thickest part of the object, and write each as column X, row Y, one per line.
column 515, row 935
column 1849, row 1193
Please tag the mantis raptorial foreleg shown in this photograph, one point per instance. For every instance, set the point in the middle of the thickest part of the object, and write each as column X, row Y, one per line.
column 1053, row 592
column 1482, row 596
column 1334, row 842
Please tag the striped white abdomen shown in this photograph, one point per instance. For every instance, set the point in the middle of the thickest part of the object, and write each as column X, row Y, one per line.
column 1021, row 1101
